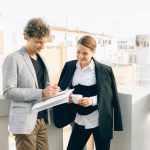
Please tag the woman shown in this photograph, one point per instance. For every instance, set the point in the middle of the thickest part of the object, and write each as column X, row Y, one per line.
column 94, row 112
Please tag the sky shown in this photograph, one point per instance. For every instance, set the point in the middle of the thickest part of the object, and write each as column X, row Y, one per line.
column 122, row 18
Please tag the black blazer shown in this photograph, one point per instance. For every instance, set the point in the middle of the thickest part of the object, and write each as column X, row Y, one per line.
column 107, row 100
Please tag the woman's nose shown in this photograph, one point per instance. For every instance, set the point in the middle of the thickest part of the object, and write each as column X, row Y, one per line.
column 80, row 56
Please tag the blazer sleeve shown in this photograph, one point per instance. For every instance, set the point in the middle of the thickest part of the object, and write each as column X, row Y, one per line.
column 65, row 113
column 11, row 89
column 118, row 126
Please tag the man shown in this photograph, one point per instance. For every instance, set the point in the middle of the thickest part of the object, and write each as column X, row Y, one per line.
column 25, row 79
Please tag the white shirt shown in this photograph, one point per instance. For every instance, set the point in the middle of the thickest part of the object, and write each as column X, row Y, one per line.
column 86, row 76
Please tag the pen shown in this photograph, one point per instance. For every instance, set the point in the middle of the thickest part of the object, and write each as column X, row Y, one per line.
column 59, row 88
column 47, row 83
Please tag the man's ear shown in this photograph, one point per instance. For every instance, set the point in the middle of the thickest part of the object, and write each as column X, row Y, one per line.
column 25, row 36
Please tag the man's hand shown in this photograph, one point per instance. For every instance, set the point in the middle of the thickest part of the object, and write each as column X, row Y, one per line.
column 50, row 91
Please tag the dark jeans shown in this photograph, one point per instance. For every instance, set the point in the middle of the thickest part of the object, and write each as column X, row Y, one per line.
column 80, row 136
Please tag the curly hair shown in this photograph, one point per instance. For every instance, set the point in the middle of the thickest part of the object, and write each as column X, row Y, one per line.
column 36, row 28
column 88, row 41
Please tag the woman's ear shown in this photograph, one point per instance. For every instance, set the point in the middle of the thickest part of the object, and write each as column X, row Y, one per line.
column 94, row 51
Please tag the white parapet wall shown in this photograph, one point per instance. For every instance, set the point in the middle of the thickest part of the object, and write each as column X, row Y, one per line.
column 135, row 107
column 134, row 101
column 4, row 108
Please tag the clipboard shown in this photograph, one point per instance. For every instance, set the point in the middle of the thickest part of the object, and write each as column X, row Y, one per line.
column 59, row 98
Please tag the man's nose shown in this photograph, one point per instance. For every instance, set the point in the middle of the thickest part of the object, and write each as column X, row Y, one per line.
column 42, row 45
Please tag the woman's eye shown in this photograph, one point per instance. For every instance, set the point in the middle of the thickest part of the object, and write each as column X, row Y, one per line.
column 84, row 53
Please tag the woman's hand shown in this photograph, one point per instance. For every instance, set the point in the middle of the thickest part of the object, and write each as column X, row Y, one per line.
column 70, row 98
column 85, row 102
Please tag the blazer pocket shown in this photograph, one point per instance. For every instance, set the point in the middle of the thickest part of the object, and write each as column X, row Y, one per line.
column 19, row 104
column 20, row 114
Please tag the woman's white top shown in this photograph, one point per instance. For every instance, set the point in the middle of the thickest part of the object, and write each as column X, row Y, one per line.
column 86, row 76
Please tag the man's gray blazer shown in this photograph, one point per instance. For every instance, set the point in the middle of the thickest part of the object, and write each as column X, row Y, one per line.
column 21, row 87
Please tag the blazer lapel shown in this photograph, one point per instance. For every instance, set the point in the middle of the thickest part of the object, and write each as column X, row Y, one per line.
column 29, row 64
column 99, row 77
column 71, row 70
column 46, row 75
column 68, row 75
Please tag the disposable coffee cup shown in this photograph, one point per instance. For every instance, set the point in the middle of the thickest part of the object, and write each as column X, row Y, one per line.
column 76, row 98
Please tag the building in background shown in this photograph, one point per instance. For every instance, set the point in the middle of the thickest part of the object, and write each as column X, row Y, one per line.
column 2, row 48
column 125, row 56
column 143, row 60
